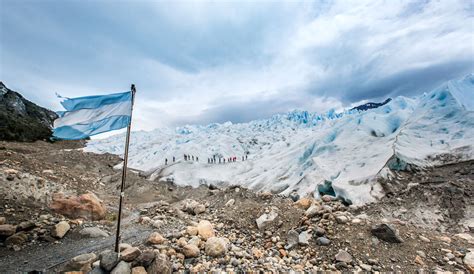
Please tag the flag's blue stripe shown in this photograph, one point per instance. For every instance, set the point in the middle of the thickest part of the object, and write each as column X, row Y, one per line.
column 81, row 131
column 72, row 104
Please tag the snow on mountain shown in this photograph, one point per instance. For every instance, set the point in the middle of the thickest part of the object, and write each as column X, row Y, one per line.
column 302, row 151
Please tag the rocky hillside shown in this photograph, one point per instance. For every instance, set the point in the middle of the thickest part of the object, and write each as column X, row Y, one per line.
column 22, row 120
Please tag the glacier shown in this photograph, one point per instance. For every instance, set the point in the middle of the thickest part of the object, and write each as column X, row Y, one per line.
column 305, row 151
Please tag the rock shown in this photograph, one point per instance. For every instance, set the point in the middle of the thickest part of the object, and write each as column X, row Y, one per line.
column 469, row 261
column 3, row 220
column 139, row 270
column 418, row 260
column 86, row 206
column 466, row 237
column 303, row 203
column 323, row 241
column 266, row 219
column 215, row 246
column 108, row 260
column 157, row 223
column 312, row 211
column 195, row 241
column 319, row 231
column 16, row 239
column 292, row 239
column 60, row 229
column 7, row 230
column 366, row 267
column 421, row 253
column 192, row 230
column 294, row 196
column 199, row 209
column 26, row 226
column 155, row 238
column 424, row 239
column 130, row 254
column 146, row 258
column 122, row 268
column 343, row 256
column 191, row 251
column 303, row 238
column 123, row 246
column 161, row 265
column 93, row 232
column 257, row 253
column 229, row 203
column 342, row 219
column 82, row 262
column 327, row 198
column 386, row 233
column 205, row 229
column 445, row 239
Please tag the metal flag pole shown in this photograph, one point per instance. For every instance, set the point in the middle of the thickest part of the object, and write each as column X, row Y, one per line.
column 124, row 173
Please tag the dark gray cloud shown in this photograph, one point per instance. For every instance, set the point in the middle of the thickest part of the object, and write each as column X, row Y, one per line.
column 202, row 62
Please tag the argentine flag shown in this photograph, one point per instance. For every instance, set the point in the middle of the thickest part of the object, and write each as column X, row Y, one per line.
column 91, row 115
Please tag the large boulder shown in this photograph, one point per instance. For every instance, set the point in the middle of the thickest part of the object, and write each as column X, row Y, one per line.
column 86, row 206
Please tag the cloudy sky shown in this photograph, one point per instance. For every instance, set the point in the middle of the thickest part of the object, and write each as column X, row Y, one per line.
column 201, row 62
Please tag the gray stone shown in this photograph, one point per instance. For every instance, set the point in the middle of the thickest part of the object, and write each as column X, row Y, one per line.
column 292, row 239
column 161, row 265
column 216, row 246
column 266, row 219
column 93, row 232
column 386, row 233
column 122, row 268
column 82, row 262
column 323, row 241
column 108, row 259
column 319, row 231
column 343, row 256
column 303, row 238
column 146, row 258
column 312, row 211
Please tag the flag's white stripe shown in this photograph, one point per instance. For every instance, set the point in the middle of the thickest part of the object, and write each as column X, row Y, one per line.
column 87, row 116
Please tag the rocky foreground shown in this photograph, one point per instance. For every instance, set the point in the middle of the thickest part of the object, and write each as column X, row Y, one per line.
column 58, row 212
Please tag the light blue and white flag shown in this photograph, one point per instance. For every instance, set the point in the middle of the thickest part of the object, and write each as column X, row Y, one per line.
column 91, row 115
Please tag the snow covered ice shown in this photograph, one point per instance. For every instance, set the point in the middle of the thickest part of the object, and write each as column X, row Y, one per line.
column 301, row 150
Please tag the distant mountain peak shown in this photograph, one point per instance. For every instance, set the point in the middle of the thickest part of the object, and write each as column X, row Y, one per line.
column 371, row 105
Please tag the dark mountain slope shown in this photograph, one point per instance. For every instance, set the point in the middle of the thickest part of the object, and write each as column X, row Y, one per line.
column 22, row 120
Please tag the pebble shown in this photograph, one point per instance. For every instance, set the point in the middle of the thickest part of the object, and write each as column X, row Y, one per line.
column 323, row 241
column 343, row 256
column 60, row 229
column 155, row 238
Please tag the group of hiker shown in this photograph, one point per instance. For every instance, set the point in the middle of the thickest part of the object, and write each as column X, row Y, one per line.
column 220, row 160
column 212, row 160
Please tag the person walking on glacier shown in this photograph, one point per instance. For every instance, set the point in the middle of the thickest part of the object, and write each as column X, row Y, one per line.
column 166, row 161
